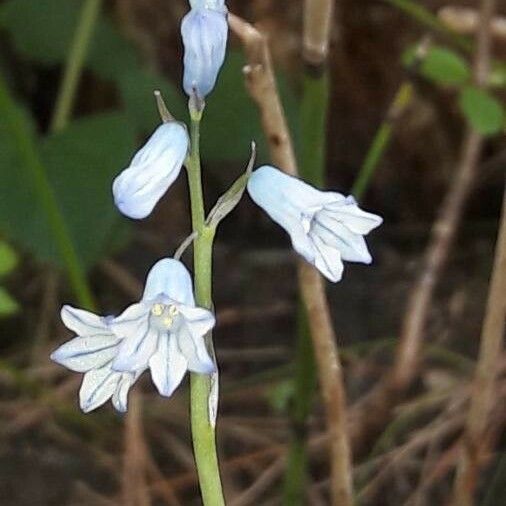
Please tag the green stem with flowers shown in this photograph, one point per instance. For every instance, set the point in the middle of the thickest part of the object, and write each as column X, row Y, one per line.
column 203, row 431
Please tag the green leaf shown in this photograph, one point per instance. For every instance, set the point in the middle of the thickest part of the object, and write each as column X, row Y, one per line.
column 42, row 30
column 8, row 306
column 445, row 67
column 81, row 163
column 137, row 87
column 8, row 259
column 483, row 111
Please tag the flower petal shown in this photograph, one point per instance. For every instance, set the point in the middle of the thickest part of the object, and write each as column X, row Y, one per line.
column 328, row 260
column 84, row 353
column 82, row 322
column 199, row 320
column 153, row 169
column 280, row 194
column 195, row 351
column 120, row 396
column 98, row 386
column 218, row 5
column 352, row 246
column 170, row 278
column 132, row 321
column 350, row 215
column 168, row 366
column 135, row 351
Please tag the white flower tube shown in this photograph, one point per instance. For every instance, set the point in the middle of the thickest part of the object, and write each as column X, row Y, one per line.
column 205, row 32
column 325, row 227
column 152, row 170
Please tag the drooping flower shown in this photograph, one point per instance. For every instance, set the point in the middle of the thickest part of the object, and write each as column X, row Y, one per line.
column 152, row 170
column 165, row 330
column 205, row 32
column 325, row 227
column 92, row 353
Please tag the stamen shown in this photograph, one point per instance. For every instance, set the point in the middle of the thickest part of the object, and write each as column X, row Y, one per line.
column 157, row 309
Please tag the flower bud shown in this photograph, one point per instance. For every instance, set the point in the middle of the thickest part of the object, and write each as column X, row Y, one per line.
column 217, row 5
column 152, row 170
column 205, row 31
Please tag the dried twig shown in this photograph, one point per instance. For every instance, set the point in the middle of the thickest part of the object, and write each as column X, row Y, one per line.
column 135, row 491
column 318, row 16
column 467, row 20
column 443, row 235
column 261, row 84
column 475, row 444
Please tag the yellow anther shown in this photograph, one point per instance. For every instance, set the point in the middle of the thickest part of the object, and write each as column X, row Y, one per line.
column 173, row 310
column 157, row 309
column 168, row 322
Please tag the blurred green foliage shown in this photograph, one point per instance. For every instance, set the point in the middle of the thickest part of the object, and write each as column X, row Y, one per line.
column 445, row 67
column 8, row 262
column 81, row 161
column 483, row 110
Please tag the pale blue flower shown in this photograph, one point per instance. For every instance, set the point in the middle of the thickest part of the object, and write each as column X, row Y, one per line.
column 217, row 5
column 205, row 31
column 325, row 227
column 92, row 353
column 152, row 170
column 165, row 330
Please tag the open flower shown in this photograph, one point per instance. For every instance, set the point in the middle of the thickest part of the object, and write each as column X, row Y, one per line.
column 92, row 353
column 152, row 170
column 325, row 227
column 164, row 331
column 205, row 31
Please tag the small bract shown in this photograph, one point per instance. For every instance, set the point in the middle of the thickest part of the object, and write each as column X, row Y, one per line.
column 152, row 170
column 325, row 227
column 205, row 32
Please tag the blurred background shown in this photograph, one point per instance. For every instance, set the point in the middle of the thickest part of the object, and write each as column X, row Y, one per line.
column 51, row 454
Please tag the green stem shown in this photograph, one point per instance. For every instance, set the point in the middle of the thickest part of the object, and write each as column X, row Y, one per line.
column 382, row 139
column 203, row 432
column 30, row 161
column 74, row 65
column 312, row 169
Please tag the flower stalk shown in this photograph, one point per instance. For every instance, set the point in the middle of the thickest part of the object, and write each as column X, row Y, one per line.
column 203, row 432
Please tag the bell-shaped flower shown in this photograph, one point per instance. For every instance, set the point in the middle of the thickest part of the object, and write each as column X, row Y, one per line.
column 325, row 227
column 152, row 170
column 205, row 31
column 92, row 353
column 165, row 330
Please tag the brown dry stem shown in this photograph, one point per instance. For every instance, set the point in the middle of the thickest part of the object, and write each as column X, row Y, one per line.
column 443, row 234
column 318, row 15
column 261, row 84
column 475, row 443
